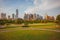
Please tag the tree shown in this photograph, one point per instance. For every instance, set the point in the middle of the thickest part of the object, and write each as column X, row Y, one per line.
column 19, row 21
column 26, row 24
column 58, row 20
column 2, row 22
column 58, row 17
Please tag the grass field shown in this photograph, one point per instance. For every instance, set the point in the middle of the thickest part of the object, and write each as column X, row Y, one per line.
column 44, row 25
column 39, row 25
column 30, row 34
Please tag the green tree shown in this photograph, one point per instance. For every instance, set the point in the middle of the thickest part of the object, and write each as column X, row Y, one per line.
column 58, row 20
column 26, row 24
column 19, row 21
column 58, row 17
column 2, row 22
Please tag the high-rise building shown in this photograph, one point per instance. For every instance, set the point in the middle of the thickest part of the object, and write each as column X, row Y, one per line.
column 39, row 17
column 49, row 17
column 3, row 16
column 8, row 16
column 26, row 16
column 16, row 13
column 13, row 16
column 32, row 17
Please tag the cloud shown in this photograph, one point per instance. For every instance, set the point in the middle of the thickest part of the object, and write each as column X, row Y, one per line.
column 49, row 4
column 43, row 5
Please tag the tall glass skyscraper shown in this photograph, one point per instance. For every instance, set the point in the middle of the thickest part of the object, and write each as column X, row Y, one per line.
column 16, row 13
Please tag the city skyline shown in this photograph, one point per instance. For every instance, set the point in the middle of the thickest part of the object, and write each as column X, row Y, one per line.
column 51, row 7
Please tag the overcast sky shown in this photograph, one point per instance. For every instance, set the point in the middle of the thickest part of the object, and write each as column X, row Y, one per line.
column 51, row 7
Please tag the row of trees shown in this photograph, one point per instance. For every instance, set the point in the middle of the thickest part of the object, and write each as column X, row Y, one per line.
column 5, row 21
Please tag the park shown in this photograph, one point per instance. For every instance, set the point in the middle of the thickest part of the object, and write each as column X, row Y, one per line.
column 29, row 19
column 10, row 30
column 44, row 31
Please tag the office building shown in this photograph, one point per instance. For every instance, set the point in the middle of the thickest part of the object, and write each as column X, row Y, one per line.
column 13, row 16
column 9, row 17
column 3, row 16
column 49, row 17
column 26, row 16
column 39, row 17
column 32, row 17
column 16, row 13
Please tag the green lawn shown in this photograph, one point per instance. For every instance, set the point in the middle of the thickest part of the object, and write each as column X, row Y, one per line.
column 38, row 25
column 30, row 34
column 44, row 25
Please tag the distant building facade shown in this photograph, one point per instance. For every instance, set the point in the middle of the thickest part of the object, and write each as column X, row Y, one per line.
column 9, row 17
column 26, row 16
column 3, row 16
column 32, row 17
column 13, row 16
column 49, row 17
column 16, row 13
column 39, row 17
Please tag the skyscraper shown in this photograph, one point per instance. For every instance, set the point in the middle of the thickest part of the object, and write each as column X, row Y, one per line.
column 39, row 17
column 32, row 17
column 13, row 16
column 3, row 15
column 16, row 13
column 26, row 16
column 8, row 16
